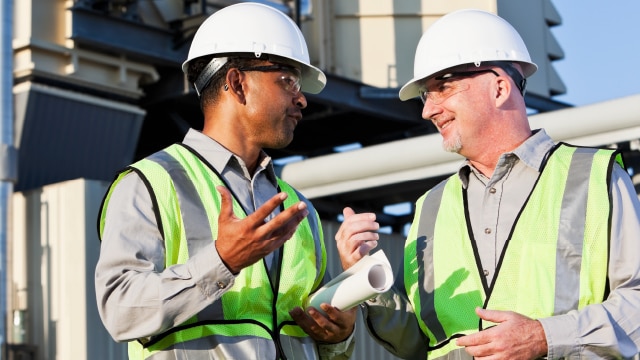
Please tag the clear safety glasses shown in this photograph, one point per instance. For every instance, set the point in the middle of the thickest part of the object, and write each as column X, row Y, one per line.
column 448, row 85
column 290, row 78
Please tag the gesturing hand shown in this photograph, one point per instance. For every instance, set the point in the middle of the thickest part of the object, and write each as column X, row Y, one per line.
column 515, row 337
column 356, row 236
column 242, row 242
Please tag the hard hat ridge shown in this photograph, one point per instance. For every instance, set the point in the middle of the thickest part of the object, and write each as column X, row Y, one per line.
column 467, row 36
column 253, row 29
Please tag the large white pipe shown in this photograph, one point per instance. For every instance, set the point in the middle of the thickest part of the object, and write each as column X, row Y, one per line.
column 422, row 157
column 597, row 124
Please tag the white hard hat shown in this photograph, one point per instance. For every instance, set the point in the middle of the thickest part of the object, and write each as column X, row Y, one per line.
column 253, row 28
column 466, row 36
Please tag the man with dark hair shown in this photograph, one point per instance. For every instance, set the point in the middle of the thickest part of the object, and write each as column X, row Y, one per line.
column 206, row 253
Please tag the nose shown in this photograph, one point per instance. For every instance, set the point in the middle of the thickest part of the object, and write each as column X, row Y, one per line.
column 430, row 109
column 300, row 100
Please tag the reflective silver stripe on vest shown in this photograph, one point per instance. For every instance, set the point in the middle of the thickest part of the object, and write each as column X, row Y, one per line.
column 426, row 228
column 570, row 242
column 571, row 231
column 220, row 347
column 194, row 216
column 455, row 354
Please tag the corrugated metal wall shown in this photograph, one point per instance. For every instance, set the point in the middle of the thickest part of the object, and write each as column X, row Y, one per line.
column 393, row 246
column 54, row 253
column 64, row 135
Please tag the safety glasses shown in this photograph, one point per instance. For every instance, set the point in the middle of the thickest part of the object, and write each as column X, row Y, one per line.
column 448, row 85
column 290, row 78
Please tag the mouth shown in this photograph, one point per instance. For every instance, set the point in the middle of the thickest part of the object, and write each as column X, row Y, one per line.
column 296, row 118
column 442, row 124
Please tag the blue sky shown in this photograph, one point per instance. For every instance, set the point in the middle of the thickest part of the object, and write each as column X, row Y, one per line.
column 601, row 44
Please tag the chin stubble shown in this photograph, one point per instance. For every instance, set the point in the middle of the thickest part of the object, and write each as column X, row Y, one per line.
column 453, row 145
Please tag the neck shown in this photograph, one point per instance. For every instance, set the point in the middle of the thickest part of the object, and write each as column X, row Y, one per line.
column 487, row 158
column 233, row 140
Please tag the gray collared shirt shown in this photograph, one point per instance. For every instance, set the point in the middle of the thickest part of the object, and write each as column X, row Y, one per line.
column 495, row 202
column 132, row 253
column 596, row 331
column 251, row 191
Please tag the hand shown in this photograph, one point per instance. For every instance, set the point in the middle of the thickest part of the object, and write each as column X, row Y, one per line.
column 242, row 242
column 356, row 236
column 515, row 337
column 333, row 328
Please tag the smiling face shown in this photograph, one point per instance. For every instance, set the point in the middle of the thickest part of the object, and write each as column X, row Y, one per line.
column 458, row 103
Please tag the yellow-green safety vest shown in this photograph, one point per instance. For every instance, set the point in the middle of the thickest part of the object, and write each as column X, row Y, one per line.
column 554, row 260
column 187, row 205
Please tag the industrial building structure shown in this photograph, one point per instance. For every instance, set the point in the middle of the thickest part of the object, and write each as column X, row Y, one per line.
column 96, row 84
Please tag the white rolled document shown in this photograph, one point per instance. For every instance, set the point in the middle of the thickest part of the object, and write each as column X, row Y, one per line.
column 370, row 276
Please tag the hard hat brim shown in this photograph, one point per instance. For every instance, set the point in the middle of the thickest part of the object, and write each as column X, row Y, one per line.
column 313, row 79
column 410, row 90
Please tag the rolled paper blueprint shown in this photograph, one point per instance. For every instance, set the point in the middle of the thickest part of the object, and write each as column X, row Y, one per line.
column 370, row 276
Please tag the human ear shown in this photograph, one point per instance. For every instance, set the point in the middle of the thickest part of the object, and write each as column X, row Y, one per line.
column 236, row 81
column 502, row 88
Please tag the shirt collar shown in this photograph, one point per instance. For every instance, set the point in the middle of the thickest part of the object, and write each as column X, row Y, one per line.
column 532, row 153
column 221, row 158
column 535, row 149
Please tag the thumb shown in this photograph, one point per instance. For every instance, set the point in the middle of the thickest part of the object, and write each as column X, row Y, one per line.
column 494, row 316
column 347, row 212
column 226, row 207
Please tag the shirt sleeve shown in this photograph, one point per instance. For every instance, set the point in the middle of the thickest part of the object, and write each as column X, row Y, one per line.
column 137, row 296
column 326, row 351
column 610, row 329
column 392, row 323
column 338, row 351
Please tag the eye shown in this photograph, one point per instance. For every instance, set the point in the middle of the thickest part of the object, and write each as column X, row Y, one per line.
column 443, row 86
column 291, row 82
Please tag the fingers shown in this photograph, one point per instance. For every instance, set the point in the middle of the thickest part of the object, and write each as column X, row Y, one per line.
column 295, row 214
column 282, row 226
column 298, row 315
column 366, row 247
column 475, row 339
column 337, row 325
column 263, row 212
column 343, row 319
column 332, row 327
column 357, row 227
column 356, row 237
column 308, row 323
column 242, row 242
column 515, row 337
